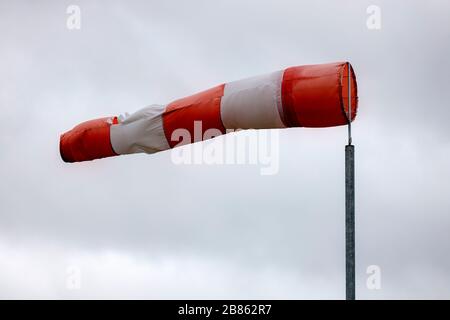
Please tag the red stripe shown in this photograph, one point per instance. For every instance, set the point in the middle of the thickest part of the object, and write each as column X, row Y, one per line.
column 87, row 141
column 312, row 96
column 203, row 106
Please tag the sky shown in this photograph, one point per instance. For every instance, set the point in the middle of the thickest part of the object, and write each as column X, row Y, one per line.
column 142, row 226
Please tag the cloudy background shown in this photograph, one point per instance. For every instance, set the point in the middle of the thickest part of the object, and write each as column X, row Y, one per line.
column 142, row 227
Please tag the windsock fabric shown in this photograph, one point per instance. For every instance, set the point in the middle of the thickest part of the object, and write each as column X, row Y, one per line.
column 302, row 96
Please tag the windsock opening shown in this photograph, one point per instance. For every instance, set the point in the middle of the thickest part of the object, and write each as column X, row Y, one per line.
column 353, row 91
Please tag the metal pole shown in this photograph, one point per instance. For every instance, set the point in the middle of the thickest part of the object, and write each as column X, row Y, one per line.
column 350, row 221
column 349, row 205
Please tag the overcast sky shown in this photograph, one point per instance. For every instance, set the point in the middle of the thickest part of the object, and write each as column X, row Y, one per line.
column 140, row 226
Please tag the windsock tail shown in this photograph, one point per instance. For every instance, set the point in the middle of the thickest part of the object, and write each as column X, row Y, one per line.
column 88, row 141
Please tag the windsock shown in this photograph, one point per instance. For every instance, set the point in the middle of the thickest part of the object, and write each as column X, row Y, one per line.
column 302, row 96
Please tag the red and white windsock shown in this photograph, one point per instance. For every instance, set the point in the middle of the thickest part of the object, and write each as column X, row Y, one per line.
column 302, row 96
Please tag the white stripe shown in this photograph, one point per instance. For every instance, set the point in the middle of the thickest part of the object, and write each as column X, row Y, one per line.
column 253, row 103
column 140, row 132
